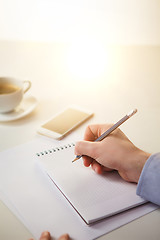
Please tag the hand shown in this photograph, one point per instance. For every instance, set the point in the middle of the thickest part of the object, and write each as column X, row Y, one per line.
column 115, row 152
column 46, row 236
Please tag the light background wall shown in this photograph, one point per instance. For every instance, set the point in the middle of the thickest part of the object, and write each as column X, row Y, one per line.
column 110, row 21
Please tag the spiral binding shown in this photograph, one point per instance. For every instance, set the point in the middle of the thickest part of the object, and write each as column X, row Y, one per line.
column 53, row 150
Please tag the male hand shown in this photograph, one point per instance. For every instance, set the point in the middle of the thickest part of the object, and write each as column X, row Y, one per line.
column 115, row 152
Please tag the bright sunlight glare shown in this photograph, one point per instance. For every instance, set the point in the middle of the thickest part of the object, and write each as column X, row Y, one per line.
column 86, row 59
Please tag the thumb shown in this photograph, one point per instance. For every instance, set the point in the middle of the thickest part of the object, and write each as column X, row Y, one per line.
column 86, row 148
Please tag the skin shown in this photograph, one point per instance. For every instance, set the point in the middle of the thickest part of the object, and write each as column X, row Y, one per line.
column 115, row 152
column 46, row 236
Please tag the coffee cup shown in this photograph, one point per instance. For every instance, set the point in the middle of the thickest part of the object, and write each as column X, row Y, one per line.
column 11, row 93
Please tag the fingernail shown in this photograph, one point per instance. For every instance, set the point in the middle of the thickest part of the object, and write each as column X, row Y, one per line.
column 65, row 237
column 45, row 234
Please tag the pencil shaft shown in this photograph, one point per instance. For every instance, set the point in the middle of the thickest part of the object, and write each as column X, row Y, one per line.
column 116, row 125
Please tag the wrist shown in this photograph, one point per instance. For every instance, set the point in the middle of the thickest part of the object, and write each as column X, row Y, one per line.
column 141, row 159
column 134, row 164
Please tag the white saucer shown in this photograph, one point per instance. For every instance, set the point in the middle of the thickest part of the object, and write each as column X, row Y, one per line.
column 26, row 106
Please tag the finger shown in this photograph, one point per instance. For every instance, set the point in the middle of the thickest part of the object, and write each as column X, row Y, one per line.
column 64, row 237
column 97, row 167
column 87, row 148
column 87, row 161
column 91, row 133
column 106, row 169
column 94, row 131
column 45, row 236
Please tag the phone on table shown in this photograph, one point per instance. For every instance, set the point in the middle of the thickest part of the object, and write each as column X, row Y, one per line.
column 64, row 122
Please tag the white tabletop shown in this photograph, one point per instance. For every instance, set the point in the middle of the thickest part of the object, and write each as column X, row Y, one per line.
column 128, row 77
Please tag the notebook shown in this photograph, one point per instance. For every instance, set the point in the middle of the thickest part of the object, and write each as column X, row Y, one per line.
column 94, row 197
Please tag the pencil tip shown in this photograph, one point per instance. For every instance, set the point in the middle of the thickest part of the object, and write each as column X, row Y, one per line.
column 75, row 159
column 78, row 157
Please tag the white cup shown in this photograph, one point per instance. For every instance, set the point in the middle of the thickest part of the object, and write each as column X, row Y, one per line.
column 11, row 93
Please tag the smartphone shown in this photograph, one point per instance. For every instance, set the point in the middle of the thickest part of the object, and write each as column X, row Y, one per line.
column 64, row 122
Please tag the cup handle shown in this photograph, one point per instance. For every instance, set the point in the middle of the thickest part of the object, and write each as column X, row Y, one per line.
column 27, row 87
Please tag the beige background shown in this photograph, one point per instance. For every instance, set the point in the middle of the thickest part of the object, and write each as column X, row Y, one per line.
column 130, row 76
column 130, row 79
column 116, row 21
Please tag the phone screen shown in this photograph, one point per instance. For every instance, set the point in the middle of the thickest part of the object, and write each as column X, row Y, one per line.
column 66, row 120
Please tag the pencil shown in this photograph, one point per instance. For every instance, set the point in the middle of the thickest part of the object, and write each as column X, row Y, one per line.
column 116, row 125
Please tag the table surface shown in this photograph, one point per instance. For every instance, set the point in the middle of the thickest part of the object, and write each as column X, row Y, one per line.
column 128, row 77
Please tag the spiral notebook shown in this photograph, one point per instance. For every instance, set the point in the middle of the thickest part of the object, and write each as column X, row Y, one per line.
column 94, row 197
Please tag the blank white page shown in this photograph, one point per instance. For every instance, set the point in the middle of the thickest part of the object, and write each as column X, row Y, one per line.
column 93, row 196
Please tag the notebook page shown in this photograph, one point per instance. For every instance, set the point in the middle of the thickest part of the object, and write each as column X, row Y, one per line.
column 39, row 205
column 93, row 196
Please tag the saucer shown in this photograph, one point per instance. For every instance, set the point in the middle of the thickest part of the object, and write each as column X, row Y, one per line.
column 28, row 104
